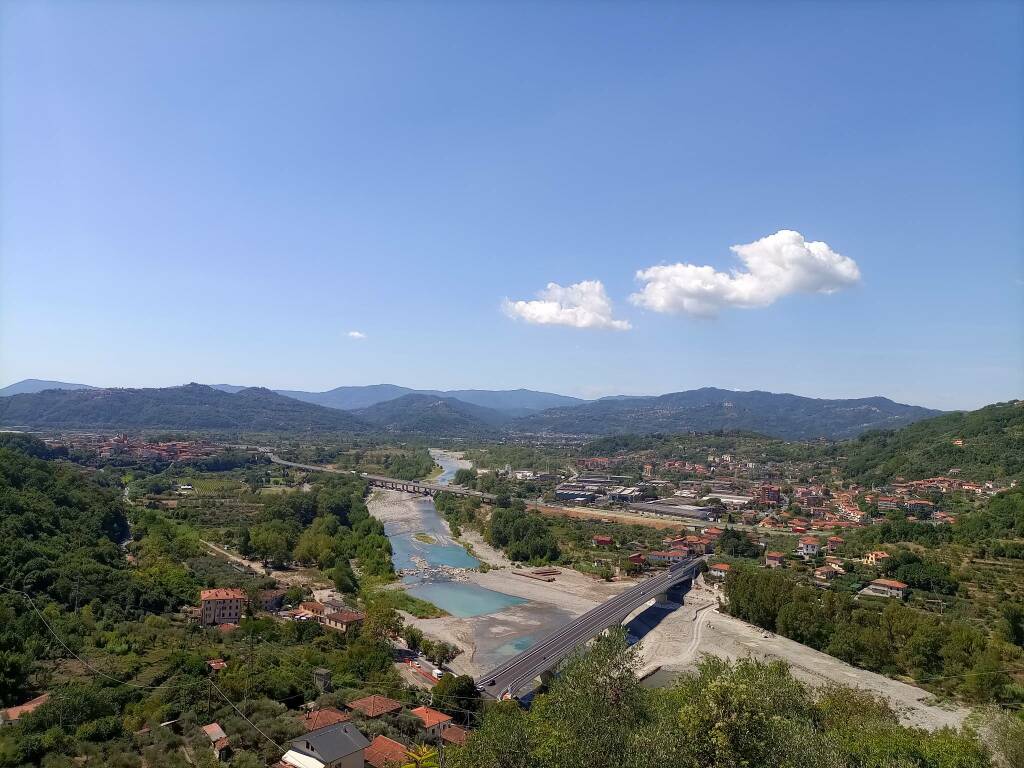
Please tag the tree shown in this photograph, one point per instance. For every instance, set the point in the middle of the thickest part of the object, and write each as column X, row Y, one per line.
column 413, row 637
column 421, row 756
column 382, row 620
column 726, row 714
column 440, row 652
column 270, row 541
column 457, row 695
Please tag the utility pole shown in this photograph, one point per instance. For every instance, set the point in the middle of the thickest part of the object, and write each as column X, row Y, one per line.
column 249, row 663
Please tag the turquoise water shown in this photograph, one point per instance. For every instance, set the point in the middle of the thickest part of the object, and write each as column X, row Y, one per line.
column 463, row 600
column 405, row 545
column 515, row 647
column 457, row 598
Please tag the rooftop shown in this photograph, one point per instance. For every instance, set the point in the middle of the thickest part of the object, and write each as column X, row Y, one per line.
column 375, row 706
column 321, row 718
column 384, row 752
column 430, row 717
column 455, row 735
column 222, row 593
column 330, row 744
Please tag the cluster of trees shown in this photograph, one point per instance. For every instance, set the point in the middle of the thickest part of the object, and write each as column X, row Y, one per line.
column 488, row 482
column 942, row 654
column 992, row 447
column 327, row 527
column 524, row 536
column 61, row 531
column 409, row 465
column 1001, row 518
column 921, row 573
column 457, row 510
column 997, row 522
column 695, row 447
column 733, row 543
column 747, row 713
column 520, row 456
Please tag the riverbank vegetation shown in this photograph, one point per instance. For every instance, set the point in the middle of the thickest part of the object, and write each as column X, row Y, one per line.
column 948, row 656
column 746, row 713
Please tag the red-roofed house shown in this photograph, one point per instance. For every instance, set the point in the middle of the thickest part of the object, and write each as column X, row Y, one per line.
column 433, row 722
column 602, row 541
column 876, row 558
column 222, row 605
column 384, row 753
column 773, row 559
column 374, row 706
column 888, row 588
column 323, row 717
column 453, row 734
column 11, row 715
column 719, row 570
column 834, row 543
column 808, row 547
column 825, row 573
column 344, row 620
column 219, row 741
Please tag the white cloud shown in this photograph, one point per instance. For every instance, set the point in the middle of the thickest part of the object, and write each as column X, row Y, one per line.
column 776, row 266
column 580, row 305
column 356, row 335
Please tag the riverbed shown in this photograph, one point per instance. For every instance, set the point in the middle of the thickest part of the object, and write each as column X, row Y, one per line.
column 490, row 623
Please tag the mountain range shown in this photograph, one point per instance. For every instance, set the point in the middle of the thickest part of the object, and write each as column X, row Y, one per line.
column 189, row 407
column 457, row 413
column 708, row 409
column 31, row 386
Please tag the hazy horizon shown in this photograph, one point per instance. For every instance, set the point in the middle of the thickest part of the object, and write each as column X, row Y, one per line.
column 107, row 385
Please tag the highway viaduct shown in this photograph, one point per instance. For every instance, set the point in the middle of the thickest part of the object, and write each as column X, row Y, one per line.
column 509, row 679
column 391, row 483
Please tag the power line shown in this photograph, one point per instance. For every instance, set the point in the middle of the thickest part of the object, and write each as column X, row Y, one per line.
column 84, row 663
column 242, row 715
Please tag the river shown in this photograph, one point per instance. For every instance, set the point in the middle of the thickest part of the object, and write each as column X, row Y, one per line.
column 423, row 543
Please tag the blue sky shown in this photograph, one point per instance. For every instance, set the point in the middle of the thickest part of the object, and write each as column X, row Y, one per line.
column 222, row 192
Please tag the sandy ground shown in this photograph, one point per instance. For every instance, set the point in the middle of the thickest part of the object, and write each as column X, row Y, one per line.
column 679, row 640
column 484, row 551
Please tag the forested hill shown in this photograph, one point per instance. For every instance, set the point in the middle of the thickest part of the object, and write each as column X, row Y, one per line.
column 428, row 414
column 193, row 406
column 790, row 417
column 60, row 528
column 987, row 444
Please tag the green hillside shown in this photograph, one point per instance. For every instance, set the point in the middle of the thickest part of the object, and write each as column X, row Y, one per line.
column 193, row 406
column 992, row 447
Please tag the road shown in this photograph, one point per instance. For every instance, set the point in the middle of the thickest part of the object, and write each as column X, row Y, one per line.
column 514, row 675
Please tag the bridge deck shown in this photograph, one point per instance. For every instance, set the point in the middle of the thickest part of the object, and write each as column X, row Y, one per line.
column 516, row 673
column 379, row 481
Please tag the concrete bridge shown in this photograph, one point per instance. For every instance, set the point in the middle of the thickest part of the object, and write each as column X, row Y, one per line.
column 391, row 483
column 540, row 661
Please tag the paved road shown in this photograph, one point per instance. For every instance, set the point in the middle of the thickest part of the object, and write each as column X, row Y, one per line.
column 516, row 673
